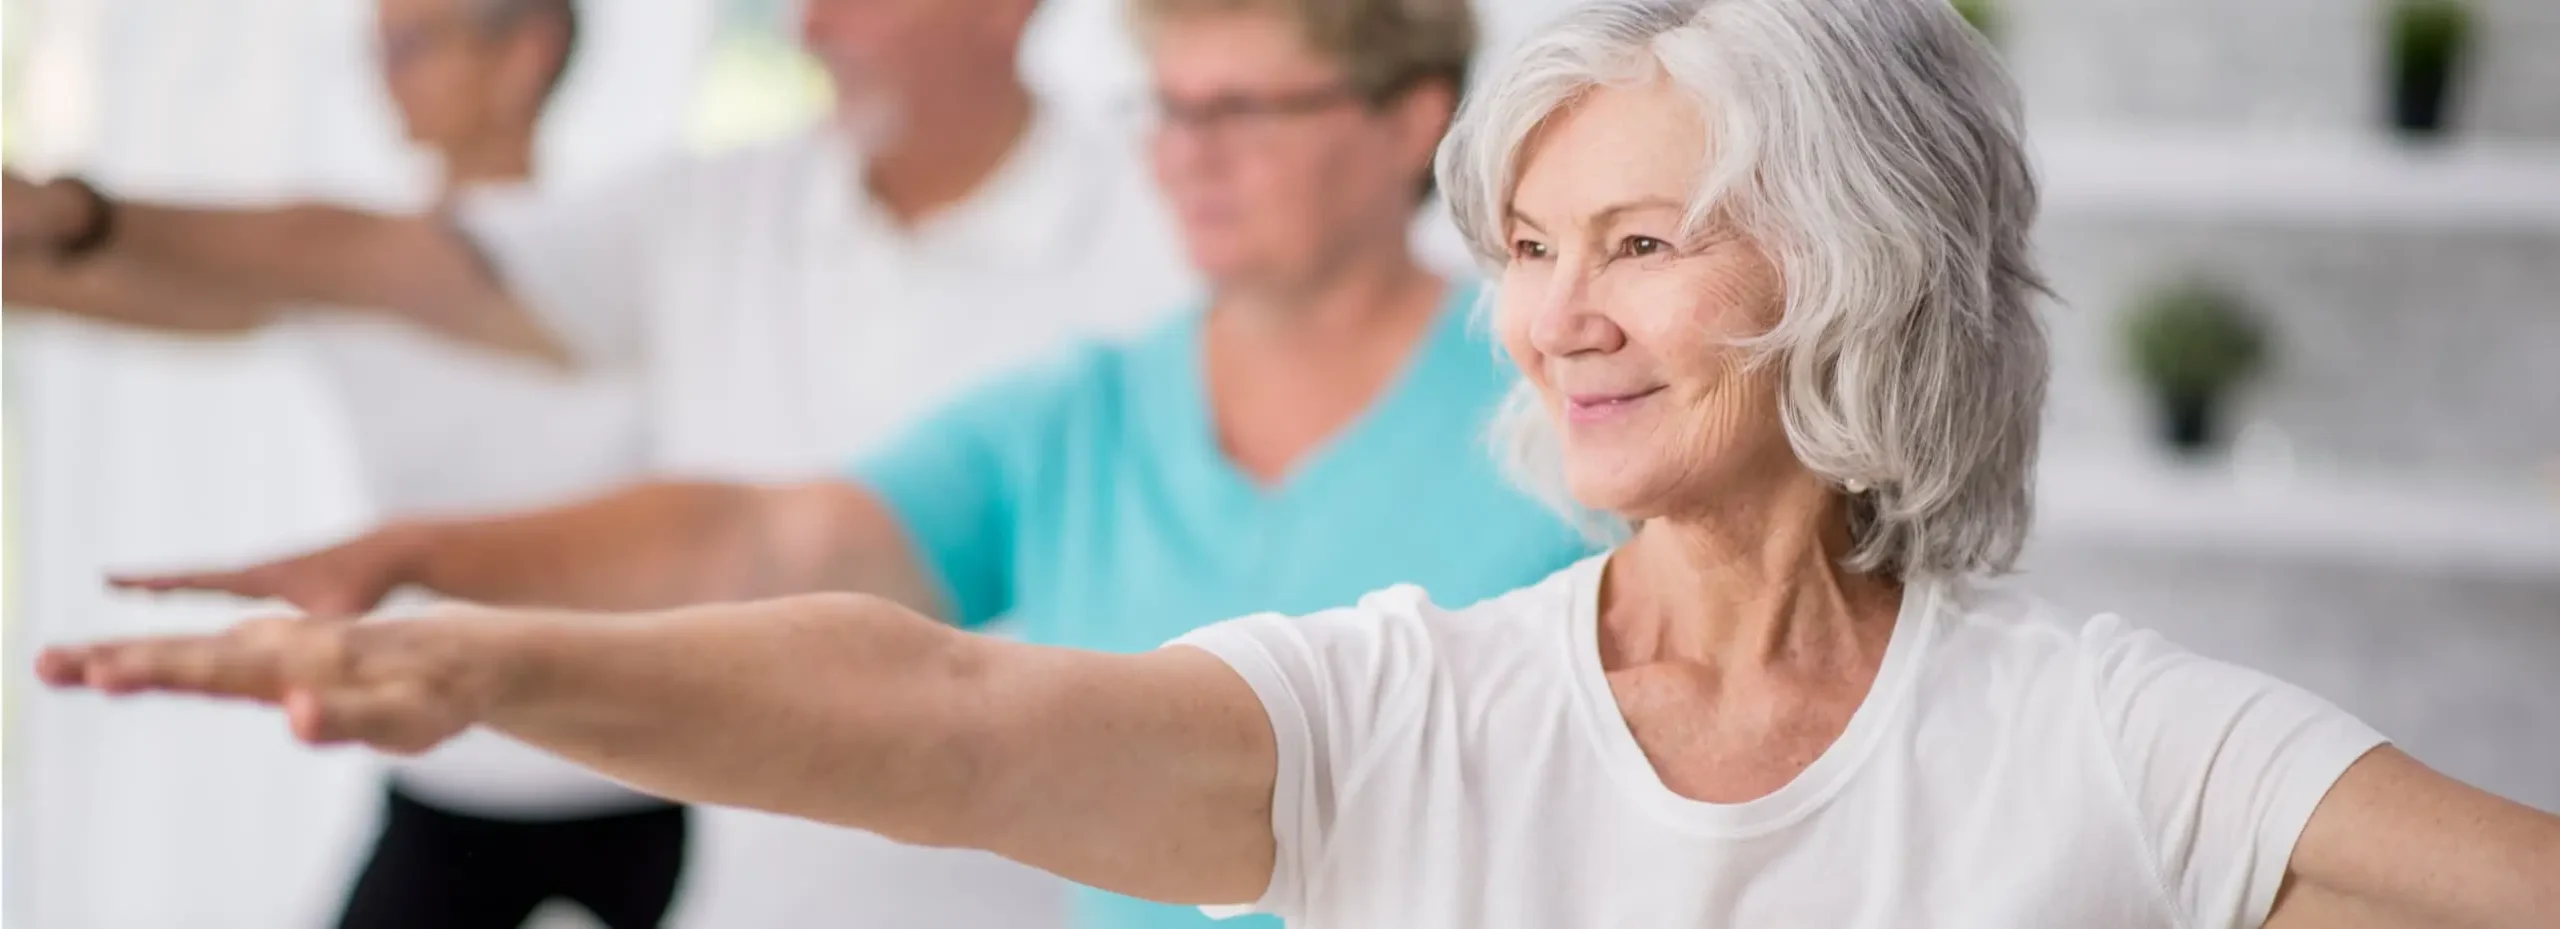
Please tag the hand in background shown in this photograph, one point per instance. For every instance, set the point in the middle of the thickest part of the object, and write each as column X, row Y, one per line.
column 401, row 687
column 37, row 217
column 343, row 581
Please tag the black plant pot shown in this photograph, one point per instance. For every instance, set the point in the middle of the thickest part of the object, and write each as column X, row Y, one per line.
column 2189, row 424
column 2421, row 95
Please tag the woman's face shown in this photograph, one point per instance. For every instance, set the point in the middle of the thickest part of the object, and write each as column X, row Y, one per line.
column 1273, row 164
column 1625, row 327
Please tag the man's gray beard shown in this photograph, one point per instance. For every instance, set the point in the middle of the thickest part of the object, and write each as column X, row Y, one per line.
column 869, row 121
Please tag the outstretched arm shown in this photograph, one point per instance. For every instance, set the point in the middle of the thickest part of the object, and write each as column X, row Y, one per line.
column 117, row 290
column 649, row 546
column 1149, row 775
column 2401, row 845
column 414, row 266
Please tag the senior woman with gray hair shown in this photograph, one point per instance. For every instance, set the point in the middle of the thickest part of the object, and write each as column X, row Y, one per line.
column 1764, row 269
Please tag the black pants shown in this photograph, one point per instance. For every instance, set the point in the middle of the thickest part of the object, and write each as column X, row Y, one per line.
column 434, row 869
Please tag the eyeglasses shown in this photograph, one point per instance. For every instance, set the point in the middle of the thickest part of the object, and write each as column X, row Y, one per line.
column 400, row 45
column 1238, row 116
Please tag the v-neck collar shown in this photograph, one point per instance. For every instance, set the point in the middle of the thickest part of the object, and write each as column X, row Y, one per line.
column 1445, row 333
column 1025, row 215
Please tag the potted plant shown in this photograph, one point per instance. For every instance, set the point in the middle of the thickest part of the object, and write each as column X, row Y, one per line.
column 2428, row 38
column 2192, row 344
column 1983, row 14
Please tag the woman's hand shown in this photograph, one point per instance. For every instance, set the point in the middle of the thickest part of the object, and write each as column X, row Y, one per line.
column 401, row 687
column 341, row 581
column 1149, row 775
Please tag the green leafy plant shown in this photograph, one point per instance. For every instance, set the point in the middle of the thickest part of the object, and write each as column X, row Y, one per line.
column 2193, row 343
column 2428, row 39
column 1983, row 14
column 2429, row 32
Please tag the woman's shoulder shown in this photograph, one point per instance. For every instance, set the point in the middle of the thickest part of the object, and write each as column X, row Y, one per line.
column 2000, row 634
column 2007, row 617
column 1546, row 604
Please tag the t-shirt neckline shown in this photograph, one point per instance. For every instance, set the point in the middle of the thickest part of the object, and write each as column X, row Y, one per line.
column 1913, row 629
column 1024, row 214
column 1445, row 332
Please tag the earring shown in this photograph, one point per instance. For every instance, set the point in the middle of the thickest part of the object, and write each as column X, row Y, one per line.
column 1854, row 485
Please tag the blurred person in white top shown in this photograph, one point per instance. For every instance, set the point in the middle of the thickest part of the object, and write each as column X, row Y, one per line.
column 480, row 832
column 764, row 314
column 1765, row 274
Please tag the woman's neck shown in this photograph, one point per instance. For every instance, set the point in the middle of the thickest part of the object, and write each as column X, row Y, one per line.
column 1350, row 300
column 1754, row 581
column 1286, row 368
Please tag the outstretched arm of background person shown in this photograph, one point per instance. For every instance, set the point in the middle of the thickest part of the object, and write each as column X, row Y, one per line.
column 117, row 290
column 649, row 546
column 1149, row 774
column 418, row 267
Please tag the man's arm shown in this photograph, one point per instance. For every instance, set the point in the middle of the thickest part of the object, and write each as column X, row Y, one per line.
column 649, row 546
column 1149, row 774
column 417, row 267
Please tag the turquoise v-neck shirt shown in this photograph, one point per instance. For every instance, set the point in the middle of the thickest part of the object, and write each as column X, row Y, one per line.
column 1088, row 502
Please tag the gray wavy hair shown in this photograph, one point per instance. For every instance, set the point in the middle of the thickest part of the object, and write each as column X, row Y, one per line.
column 1871, row 147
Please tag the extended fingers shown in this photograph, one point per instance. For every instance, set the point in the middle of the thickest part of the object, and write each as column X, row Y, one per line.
column 219, row 665
column 320, row 588
column 63, row 666
column 245, row 583
column 336, row 682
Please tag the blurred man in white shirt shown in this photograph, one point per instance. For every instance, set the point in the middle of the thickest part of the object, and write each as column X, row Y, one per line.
column 765, row 314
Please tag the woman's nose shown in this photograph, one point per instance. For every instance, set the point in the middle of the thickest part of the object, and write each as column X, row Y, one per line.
column 1566, row 320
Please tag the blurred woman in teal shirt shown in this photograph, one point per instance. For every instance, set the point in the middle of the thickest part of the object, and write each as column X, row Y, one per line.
column 1311, row 435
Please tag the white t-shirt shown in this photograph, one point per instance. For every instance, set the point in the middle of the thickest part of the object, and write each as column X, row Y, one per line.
column 779, row 324
column 441, row 428
column 782, row 322
column 1470, row 768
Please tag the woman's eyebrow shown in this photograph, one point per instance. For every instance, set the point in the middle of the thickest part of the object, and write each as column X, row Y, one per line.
column 1607, row 214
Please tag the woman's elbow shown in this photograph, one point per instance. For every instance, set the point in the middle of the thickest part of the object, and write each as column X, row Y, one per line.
column 926, row 757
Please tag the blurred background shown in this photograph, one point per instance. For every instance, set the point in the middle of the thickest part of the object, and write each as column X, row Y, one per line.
column 2305, row 415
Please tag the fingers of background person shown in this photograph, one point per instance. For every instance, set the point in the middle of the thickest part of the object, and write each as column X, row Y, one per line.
column 21, row 222
column 245, row 583
column 332, row 598
column 323, row 588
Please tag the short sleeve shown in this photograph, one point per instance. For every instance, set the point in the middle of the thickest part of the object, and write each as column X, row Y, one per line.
column 959, row 480
column 2224, row 766
column 576, row 260
column 1332, row 684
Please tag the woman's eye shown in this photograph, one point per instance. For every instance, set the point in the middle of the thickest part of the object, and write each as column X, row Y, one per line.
column 1528, row 249
column 1638, row 246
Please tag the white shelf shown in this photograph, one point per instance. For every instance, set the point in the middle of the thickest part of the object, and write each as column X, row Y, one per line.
column 2366, row 520
column 2356, row 180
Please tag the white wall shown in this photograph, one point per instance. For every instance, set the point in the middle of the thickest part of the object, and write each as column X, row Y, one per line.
column 137, row 452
